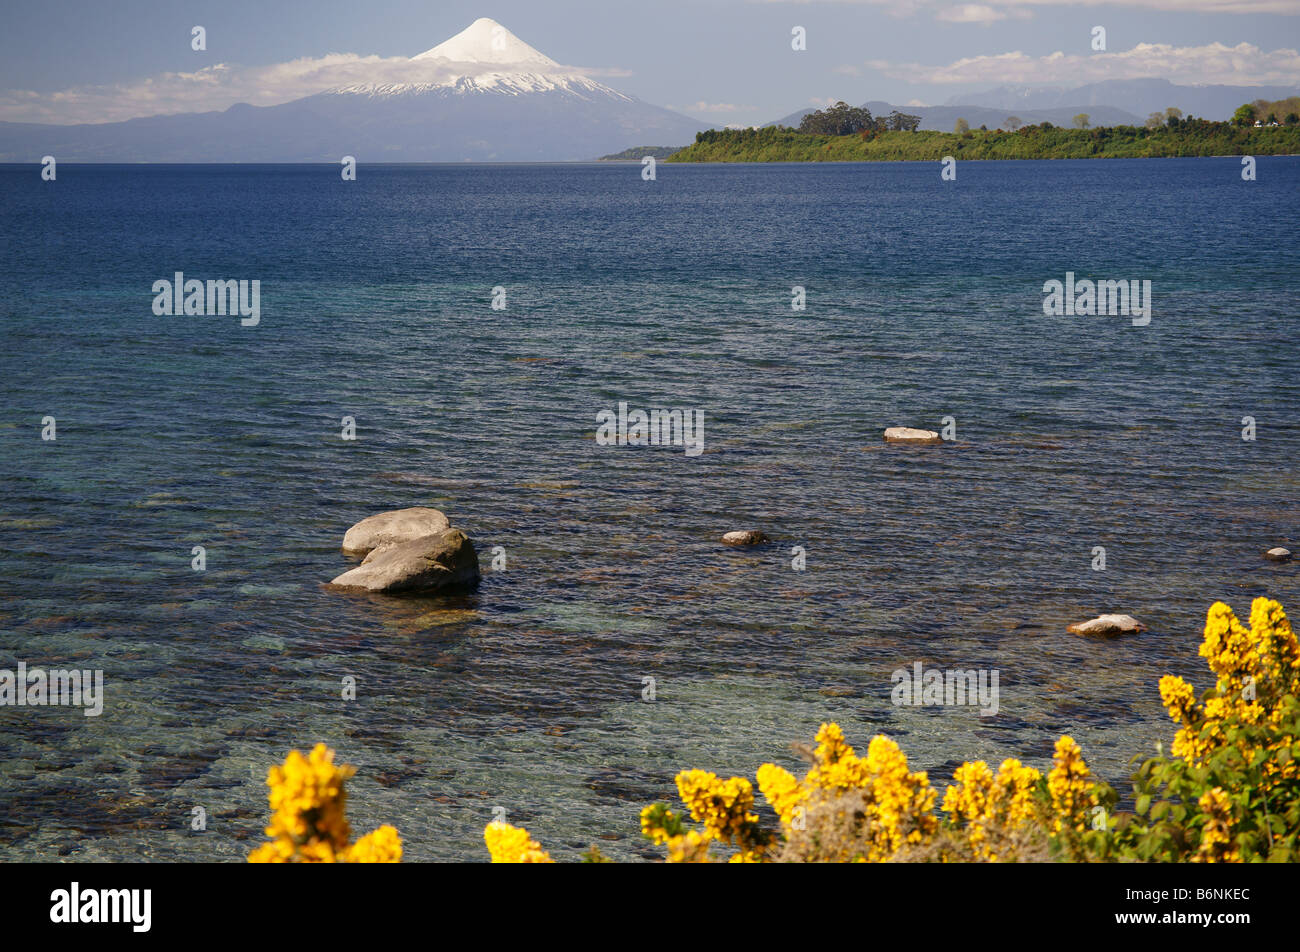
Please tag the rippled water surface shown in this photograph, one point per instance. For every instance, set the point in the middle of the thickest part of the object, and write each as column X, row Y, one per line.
column 924, row 301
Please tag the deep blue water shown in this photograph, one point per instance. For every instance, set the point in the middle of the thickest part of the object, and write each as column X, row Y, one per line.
column 924, row 301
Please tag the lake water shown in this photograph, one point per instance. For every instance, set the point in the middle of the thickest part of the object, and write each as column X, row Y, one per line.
column 924, row 301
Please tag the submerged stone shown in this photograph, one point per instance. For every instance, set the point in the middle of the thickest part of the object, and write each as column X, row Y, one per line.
column 907, row 434
column 1108, row 626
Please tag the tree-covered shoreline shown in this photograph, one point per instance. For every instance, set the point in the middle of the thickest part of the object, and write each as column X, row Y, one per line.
column 1175, row 139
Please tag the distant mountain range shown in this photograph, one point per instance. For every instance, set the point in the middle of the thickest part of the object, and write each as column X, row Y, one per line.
column 1110, row 103
column 494, row 98
column 942, row 118
column 1138, row 96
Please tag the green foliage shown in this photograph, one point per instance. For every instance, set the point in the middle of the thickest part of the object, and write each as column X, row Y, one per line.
column 1191, row 137
column 1169, row 821
column 1278, row 109
column 639, row 152
column 840, row 119
column 844, row 120
column 1244, row 116
column 659, row 816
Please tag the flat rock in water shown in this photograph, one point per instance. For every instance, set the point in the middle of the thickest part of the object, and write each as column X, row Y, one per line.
column 907, row 434
column 1108, row 625
column 1278, row 554
column 745, row 537
column 439, row 562
column 387, row 528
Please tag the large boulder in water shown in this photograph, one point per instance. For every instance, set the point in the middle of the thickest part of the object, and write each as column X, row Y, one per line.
column 439, row 562
column 388, row 528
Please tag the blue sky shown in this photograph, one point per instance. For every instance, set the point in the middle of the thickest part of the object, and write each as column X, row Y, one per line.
column 725, row 61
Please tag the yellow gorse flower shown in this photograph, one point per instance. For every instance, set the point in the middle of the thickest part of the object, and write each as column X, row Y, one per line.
column 782, row 790
column 1069, row 787
column 894, row 803
column 690, row 847
column 981, row 801
column 512, row 844
column 382, row 846
column 721, row 805
column 1216, row 835
column 308, row 819
column 1255, row 667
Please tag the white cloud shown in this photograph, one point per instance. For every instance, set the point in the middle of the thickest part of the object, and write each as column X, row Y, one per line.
column 1290, row 7
column 895, row 8
column 946, row 10
column 221, row 86
column 703, row 106
column 979, row 13
column 1240, row 65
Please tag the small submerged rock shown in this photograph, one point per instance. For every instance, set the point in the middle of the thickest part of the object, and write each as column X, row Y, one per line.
column 1278, row 554
column 745, row 537
column 1108, row 626
column 433, row 563
column 388, row 528
column 907, row 434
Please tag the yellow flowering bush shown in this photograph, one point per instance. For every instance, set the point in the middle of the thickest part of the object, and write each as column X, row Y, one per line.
column 860, row 808
column 723, row 807
column 985, row 810
column 849, row 808
column 1073, row 794
column 308, row 820
column 1231, row 791
column 1256, row 668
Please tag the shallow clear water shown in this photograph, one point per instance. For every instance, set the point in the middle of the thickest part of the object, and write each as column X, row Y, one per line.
column 925, row 301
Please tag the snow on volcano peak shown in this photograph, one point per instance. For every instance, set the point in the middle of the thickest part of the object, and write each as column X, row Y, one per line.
column 485, row 57
column 487, row 41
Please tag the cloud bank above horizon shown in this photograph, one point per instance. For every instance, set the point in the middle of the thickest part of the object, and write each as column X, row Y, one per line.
column 1208, row 65
column 218, row 87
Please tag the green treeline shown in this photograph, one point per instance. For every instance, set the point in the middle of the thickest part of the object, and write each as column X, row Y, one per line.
column 1179, row 137
column 636, row 153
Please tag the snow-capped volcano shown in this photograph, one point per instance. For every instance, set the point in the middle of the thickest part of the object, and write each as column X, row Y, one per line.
column 487, row 41
column 486, row 57
column 484, row 95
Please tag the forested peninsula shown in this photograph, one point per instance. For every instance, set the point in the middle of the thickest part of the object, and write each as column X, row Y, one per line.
column 845, row 134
